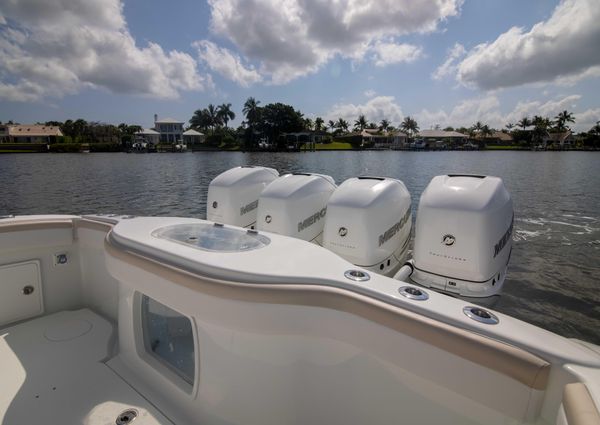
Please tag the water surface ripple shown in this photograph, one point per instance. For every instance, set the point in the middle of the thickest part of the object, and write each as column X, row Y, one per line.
column 553, row 278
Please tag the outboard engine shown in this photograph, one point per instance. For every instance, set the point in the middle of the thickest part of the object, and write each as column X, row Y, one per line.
column 463, row 236
column 368, row 223
column 295, row 205
column 233, row 195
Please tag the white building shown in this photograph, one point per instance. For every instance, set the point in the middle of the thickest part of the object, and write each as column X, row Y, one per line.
column 16, row 133
column 147, row 135
column 169, row 129
column 192, row 137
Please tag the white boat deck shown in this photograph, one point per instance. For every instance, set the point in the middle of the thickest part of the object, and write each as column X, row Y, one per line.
column 53, row 372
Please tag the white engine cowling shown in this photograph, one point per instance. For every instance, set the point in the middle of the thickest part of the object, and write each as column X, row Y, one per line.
column 233, row 195
column 463, row 236
column 368, row 223
column 295, row 205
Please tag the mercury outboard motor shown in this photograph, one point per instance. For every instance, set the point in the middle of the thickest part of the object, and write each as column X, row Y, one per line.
column 463, row 236
column 368, row 223
column 295, row 205
column 233, row 195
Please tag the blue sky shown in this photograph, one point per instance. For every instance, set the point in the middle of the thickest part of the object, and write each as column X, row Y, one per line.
column 444, row 62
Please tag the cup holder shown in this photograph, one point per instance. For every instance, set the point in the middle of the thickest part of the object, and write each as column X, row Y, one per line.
column 357, row 275
column 481, row 315
column 413, row 293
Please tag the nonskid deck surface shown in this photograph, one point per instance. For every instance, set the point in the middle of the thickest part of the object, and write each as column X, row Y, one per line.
column 53, row 373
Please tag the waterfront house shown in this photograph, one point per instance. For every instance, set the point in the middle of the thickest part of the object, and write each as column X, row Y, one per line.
column 374, row 138
column 398, row 139
column 436, row 139
column 499, row 138
column 309, row 137
column 170, row 130
column 192, row 137
column 561, row 140
column 45, row 134
column 147, row 135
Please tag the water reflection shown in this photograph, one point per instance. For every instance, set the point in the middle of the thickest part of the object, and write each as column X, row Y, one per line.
column 553, row 273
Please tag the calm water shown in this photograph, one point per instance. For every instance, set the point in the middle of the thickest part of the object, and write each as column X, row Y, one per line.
column 554, row 271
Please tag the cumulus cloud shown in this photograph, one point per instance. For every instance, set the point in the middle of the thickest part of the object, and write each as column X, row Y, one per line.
column 226, row 63
column 587, row 119
column 374, row 110
column 391, row 53
column 564, row 46
column 549, row 108
column 369, row 93
column 292, row 38
column 449, row 67
column 55, row 47
column 465, row 113
column 487, row 110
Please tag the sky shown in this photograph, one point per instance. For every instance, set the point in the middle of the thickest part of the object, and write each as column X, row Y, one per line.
column 442, row 62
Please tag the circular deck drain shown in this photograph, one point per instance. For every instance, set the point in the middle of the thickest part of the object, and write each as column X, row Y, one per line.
column 126, row 417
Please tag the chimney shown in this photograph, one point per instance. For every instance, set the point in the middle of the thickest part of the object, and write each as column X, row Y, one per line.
column 155, row 118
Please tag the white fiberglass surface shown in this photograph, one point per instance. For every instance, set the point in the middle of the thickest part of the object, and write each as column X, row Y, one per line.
column 210, row 237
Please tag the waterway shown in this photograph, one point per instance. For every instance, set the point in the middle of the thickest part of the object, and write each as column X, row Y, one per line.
column 554, row 272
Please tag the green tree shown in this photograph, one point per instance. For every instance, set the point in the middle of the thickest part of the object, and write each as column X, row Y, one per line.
column 225, row 114
column 524, row 123
column 319, row 124
column 384, row 125
column 410, row 126
column 331, row 125
column 278, row 118
column 540, row 129
column 342, row 125
column 361, row 123
column 486, row 131
column 251, row 111
column 562, row 119
column 200, row 120
column 308, row 124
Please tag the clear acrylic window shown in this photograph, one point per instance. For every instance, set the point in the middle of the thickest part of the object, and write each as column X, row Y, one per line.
column 168, row 337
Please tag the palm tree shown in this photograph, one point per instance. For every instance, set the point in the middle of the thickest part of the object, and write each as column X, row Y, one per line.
column 540, row 128
column 225, row 114
column 477, row 127
column 361, row 123
column 331, row 125
column 384, row 125
column 319, row 124
column 342, row 125
column 510, row 126
column 563, row 118
column 410, row 126
column 486, row 131
column 308, row 124
column 201, row 119
column 251, row 111
column 524, row 122
column 213, row 116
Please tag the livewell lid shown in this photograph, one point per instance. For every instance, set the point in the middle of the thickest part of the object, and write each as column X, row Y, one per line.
column 212, row 237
